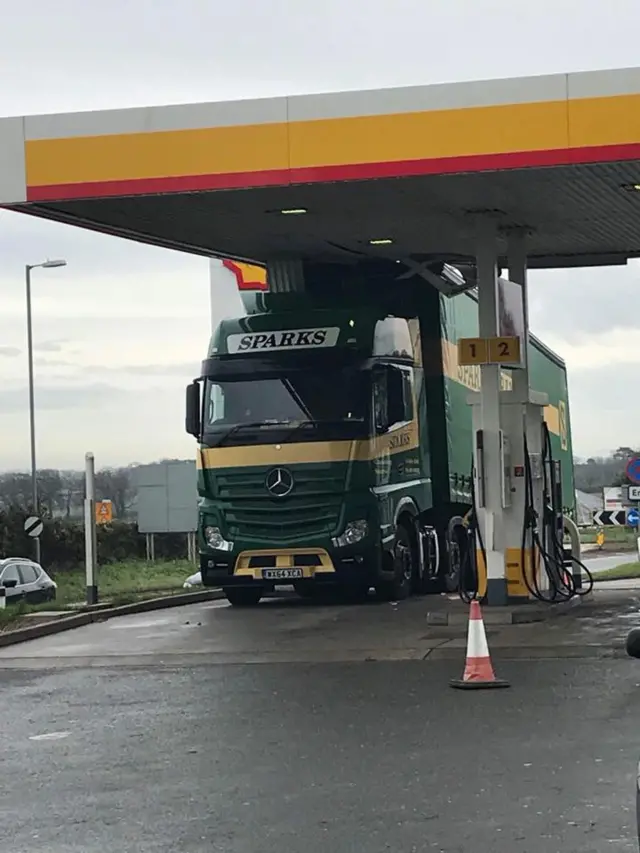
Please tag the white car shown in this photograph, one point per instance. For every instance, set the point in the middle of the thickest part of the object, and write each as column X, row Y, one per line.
column 24, row 580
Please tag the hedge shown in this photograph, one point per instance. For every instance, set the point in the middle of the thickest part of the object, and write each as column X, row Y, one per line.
column 62, row 541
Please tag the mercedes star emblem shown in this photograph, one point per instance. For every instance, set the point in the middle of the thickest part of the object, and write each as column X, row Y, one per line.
column 279, row 482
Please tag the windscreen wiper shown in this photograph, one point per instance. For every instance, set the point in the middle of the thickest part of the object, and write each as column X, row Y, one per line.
column 247, row 425
column 297, row 398
column 317, row 424
column 298, row 427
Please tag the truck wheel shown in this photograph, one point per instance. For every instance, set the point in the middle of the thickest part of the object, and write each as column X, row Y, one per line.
column 404, row 567
column 240, row 596
column 432, row 586
column 454, row 558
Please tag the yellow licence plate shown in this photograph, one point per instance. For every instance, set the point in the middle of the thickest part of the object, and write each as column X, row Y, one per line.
column 281, row 574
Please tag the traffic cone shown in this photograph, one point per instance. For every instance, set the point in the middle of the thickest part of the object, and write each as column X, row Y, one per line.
column 478, row 670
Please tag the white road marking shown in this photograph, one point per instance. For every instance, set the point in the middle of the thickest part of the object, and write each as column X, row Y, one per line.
column 50, row 736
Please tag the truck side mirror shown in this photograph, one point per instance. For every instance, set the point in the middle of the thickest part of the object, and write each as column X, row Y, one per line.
column 396, row 407
column 193, row 423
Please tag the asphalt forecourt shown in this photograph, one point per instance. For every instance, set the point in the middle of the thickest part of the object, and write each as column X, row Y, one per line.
column 286, row 629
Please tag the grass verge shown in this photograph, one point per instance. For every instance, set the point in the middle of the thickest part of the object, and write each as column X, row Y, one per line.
column 618, row 573
column 615, row 538
column 118, row 583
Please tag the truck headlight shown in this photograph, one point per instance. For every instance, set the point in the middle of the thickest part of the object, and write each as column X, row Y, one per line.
column 214, row 539
column 354, row 532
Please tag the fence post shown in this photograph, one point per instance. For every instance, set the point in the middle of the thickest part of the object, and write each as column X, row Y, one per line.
column 90, row 534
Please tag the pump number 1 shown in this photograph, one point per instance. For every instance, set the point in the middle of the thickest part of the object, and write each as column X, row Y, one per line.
column 472, row 351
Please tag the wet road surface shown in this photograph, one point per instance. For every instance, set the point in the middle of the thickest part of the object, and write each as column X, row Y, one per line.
column 597, row 562
column 206, row 729
column 289, row 630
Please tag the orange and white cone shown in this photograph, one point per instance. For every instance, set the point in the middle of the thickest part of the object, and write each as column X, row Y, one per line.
column 478, row 670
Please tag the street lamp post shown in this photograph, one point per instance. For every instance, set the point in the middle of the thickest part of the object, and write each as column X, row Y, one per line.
column 32, row 408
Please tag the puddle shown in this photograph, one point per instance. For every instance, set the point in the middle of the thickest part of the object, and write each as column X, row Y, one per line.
column 140, row 623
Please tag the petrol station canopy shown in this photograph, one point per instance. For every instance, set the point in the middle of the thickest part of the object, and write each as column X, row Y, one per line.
column 392, row 173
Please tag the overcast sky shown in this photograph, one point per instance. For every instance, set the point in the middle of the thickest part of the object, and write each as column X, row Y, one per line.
column 120, row 331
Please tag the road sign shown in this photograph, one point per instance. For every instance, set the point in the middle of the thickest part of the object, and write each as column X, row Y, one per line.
column 104, row 512
column 633, row 493
column 632, row 517
column 606, row 517
column 633, row 470
column 613, row 497
column 33, row 526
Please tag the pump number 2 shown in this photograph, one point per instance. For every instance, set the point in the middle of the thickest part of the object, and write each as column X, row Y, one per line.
column 504, row 350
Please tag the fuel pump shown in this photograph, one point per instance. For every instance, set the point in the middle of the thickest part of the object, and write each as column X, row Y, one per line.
column 529, row 530
column 543, row 533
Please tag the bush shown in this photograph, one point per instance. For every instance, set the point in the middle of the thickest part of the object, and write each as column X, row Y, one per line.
column 62, row 541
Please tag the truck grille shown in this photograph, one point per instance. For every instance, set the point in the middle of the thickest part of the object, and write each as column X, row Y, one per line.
column 312, row 508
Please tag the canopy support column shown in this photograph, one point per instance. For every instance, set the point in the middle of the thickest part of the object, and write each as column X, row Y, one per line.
column 517, row 263
column 488, row 441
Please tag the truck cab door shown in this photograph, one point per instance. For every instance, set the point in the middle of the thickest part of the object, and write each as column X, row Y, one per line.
column 390, row 406
column 380, row 412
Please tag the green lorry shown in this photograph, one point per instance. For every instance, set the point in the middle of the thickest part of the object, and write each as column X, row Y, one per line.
column 335, row 439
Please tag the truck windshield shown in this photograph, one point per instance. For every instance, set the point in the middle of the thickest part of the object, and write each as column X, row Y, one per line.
column 335, row 402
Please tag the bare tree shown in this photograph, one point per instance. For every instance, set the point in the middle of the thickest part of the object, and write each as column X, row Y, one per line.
column 61, row 493
column 116, row 485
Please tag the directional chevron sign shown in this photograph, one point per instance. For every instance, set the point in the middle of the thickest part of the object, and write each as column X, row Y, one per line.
column 616, row 517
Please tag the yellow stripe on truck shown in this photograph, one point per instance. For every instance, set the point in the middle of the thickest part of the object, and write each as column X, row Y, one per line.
column 294, row 453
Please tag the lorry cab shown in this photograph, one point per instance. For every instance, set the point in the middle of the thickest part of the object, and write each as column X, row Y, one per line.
column 336, row 439
column 313, row 464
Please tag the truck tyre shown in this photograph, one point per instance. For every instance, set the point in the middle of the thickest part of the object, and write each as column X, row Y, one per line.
column 404, row 566
column 243, row 596
column 428, row 584
column 454, row 558
column 432, row 586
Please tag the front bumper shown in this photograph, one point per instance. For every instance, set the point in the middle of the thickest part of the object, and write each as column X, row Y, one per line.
column 282, row 566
